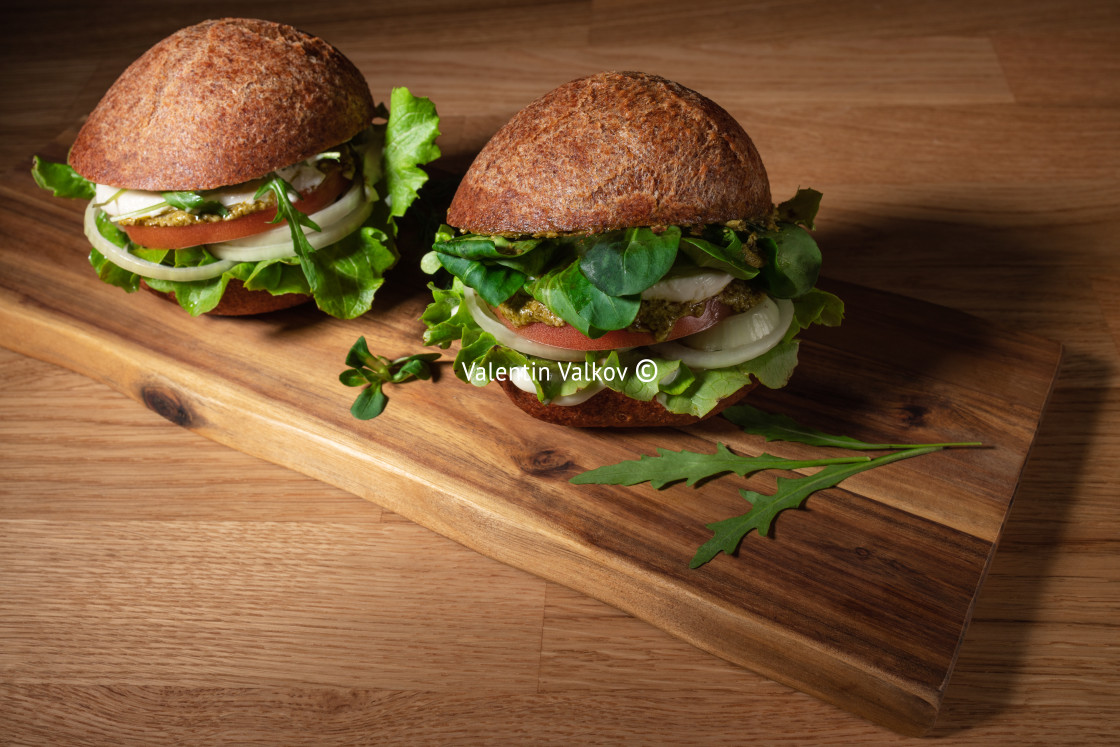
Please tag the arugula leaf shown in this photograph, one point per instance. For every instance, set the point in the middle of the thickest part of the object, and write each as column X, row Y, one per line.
column 372, row 372
column 790, row 493
column 342, row 277
column 625, row 263
column 61, row 180
column 672, row 466
column 777, row 427
column 410, row 135
column 286, row 211
column 194, row 202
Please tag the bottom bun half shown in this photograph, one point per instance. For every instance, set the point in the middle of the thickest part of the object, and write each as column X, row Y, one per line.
column 237, row 301
column 611, row 409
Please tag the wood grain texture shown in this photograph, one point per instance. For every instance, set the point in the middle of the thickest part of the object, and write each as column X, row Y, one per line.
column 967, row 158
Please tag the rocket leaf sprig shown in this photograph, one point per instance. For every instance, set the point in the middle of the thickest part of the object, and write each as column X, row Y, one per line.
column 791, row 492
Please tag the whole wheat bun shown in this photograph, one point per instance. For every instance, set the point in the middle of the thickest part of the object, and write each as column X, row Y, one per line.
column 613, row 150
column 611, row 409
column 220, row 103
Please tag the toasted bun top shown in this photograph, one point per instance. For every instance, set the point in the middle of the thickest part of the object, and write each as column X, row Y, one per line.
column 220, row 103
column 613, row 150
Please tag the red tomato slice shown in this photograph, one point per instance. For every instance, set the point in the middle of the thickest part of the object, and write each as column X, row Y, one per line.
column 183, row 237
column 571, row 338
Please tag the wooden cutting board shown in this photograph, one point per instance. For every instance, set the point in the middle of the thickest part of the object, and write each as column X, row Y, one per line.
column 862, row 598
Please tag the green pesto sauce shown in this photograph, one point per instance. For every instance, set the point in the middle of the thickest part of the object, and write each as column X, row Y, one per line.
column 655, row 316
column 658, row 316
column 178, row 218
column 522, row 309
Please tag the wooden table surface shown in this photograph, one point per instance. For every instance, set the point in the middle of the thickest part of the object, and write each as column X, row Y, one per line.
column 156, row 587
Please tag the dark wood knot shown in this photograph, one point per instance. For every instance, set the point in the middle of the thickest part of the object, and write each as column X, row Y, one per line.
column 544, row 462
column 167, row 404
column 915, row 415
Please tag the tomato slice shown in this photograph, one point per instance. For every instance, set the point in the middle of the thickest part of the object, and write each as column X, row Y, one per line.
column 183, row 237
column 572, row 339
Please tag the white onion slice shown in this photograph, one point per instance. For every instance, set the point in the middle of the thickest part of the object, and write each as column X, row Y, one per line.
column 485, row 318
column 337, row 220
column 754, row 337
column 690, row 287
column 521, row 379
column 578, row 398
column 737, row 330
column 143, row 267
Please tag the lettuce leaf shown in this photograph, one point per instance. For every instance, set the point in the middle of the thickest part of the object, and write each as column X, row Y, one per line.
column 726, row 255
column 773, row 370
column 801, row 209
column 625, row 263
column 475, row 246
column 61, row 180
column 793, row 261
column 410, row 141
column 495, row 283
column 816, row 307
column 569, row 294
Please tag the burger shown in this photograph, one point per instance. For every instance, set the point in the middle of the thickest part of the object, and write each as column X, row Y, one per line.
column 615, row 259
column 242, row 166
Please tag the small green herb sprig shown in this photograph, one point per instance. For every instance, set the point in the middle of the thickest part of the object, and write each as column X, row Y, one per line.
column 374, row 371
column 791, row 492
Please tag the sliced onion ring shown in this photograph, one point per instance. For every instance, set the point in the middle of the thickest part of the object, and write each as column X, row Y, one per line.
column 521, row 379
column 143, row 267
column 337, row 220
column 751, row 348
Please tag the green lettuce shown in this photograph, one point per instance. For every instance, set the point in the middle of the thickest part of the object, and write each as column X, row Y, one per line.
column 61, row 180
column 410, row 141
